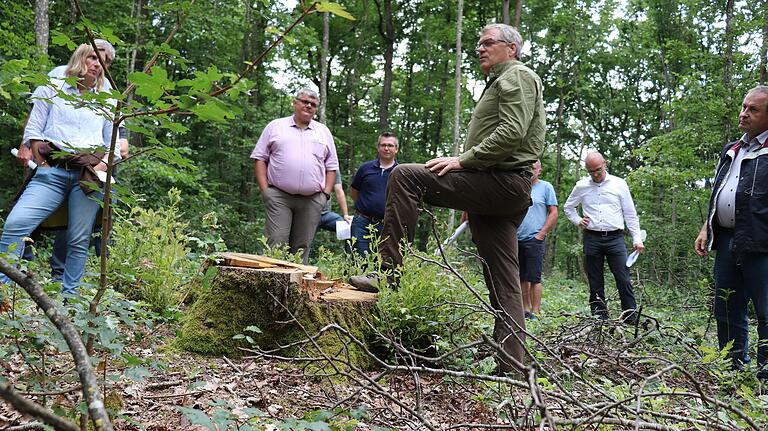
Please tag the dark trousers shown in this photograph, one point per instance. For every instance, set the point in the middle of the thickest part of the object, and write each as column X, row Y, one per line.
column 598, row 249
column 496, row 203
column 739, row 279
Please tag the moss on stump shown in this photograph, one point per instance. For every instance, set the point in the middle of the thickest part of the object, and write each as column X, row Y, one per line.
column 276, row 301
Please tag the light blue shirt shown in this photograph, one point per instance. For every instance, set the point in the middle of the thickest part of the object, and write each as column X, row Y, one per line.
column 543, row 195
column 72, row 128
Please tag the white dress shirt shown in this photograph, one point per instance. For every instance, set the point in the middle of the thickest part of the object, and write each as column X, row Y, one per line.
column 607, row 205
column 70, row 127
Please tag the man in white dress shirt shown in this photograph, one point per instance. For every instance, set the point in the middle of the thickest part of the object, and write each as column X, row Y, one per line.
column 606, row 205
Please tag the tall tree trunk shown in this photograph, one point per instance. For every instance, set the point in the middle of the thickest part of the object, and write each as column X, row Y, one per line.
column 324, row 68
column 406, row 130
column 253, row 42
column 672, row 260
column 41, row 25
column 457, row 94
column 135, row 57
column 518, row 13
column 728, row 67
column 138, row 18
column 440, row 114
column 505, row 11
column 72, row 12
column 764, row 47
column 552, row 237
column 387, row 31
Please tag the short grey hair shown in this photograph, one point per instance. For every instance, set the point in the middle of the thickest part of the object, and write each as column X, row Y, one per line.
column 762, row 89
column 508, row 34
column 106, row 46
column 306, row 91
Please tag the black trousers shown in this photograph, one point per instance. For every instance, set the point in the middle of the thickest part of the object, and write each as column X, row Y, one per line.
column 598, row 249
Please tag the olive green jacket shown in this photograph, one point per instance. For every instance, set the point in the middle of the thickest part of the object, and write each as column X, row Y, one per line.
column 507, row 127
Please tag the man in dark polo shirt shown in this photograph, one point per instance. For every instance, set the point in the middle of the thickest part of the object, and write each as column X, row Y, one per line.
column 369, row 187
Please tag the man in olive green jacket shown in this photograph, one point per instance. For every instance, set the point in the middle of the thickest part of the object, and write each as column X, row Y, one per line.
column 490, row 181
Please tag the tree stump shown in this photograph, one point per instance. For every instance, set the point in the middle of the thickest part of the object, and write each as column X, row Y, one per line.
column 287, row 302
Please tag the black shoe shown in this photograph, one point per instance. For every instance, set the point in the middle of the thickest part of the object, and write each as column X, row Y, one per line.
column 365, row 283
column 530, row 316
column 762, row 374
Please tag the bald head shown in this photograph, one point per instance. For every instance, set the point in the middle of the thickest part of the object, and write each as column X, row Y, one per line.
column 595, row 164
column 536, row 171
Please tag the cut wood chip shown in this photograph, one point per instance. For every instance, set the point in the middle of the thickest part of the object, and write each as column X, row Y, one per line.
column 259, row 261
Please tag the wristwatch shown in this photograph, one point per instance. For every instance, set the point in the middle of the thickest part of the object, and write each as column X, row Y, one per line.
column 327, row 196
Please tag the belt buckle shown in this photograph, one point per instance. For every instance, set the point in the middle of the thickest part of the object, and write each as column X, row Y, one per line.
column 604, row 233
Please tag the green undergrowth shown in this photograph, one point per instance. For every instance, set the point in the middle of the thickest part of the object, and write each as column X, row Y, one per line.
column 154, row 256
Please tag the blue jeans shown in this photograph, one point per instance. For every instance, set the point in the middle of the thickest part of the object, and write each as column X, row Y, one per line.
column 739, row 279
column 362, row 233
column 44, row 193
column 328, row 221
column 59, row 253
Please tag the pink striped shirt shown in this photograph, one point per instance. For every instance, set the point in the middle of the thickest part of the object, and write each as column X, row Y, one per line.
column 297, row 159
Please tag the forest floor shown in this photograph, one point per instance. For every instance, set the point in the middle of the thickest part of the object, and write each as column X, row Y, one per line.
column 662, row 374
column 240, row 388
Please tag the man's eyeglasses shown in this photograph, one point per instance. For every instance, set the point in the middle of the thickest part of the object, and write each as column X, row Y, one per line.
column 596, row 171
column 487, row 43
column 308, row 102
column 387, row 145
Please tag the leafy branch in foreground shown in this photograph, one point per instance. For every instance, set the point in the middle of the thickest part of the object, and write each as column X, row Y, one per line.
column 91, row 392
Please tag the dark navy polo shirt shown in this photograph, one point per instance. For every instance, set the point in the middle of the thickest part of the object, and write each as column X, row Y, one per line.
column 370, row 181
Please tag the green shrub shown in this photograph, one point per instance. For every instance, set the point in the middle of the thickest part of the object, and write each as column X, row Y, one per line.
column 431, row 311
column 150, row 254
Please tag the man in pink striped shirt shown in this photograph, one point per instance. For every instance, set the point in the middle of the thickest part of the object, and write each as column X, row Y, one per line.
column 296, row 168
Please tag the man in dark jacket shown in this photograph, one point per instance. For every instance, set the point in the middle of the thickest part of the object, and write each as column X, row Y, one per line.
column 737, row 227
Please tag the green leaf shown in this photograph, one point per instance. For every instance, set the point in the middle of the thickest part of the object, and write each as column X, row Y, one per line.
column 252, row 328
column 61, row 39
column 137, row 374
column 151, row 85
column 139, row 129
column 318, row 426
column 165, row 48
column 196, row 417
column 175, row 127
column 334, row 8
column 213, row 110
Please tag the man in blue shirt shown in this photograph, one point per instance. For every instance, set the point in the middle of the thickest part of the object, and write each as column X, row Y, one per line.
column 540, row 219
column 369, row 187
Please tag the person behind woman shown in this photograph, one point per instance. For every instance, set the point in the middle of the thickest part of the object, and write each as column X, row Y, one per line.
column 68, row 143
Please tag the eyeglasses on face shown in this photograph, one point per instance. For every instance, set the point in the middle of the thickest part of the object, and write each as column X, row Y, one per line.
column 308, row 102
column 387, row 145
column 487, row 43
column 596, row 171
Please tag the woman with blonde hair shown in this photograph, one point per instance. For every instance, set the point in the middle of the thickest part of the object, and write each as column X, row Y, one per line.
column 69, row 141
